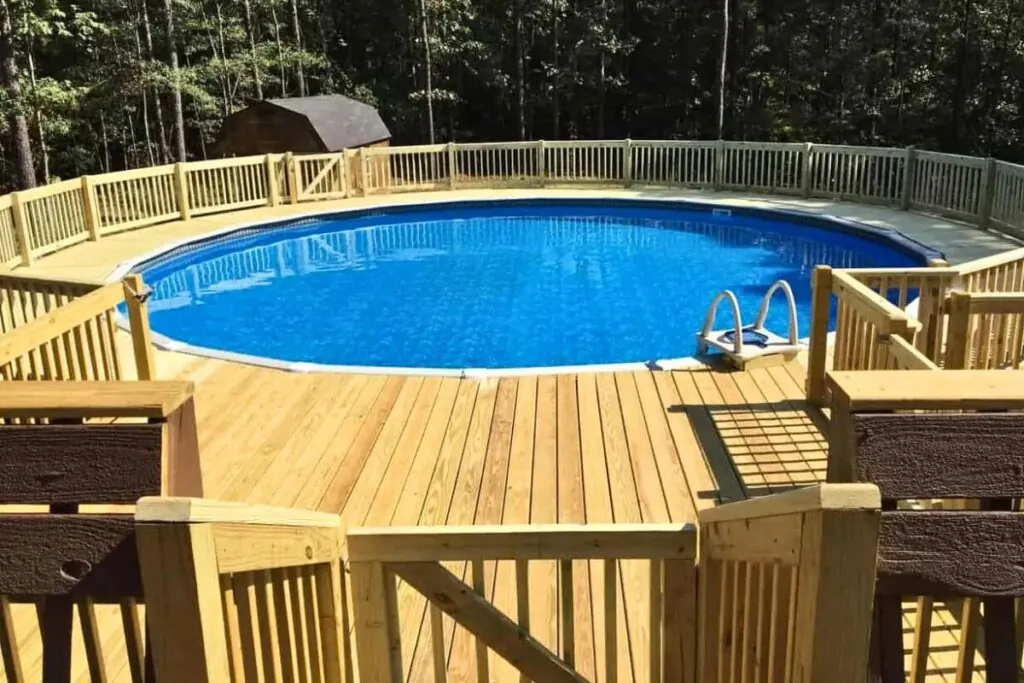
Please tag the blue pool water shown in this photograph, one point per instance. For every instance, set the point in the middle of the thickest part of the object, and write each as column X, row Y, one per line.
column 495, row 285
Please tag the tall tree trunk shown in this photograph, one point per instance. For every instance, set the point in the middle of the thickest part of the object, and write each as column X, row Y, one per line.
column 721, row 70
column 145, row 104
column 44, row 151
column 429, row 76
column 217, row 57
column 106, row 142
column 165, row 149
column 179, row 116
column 555, row 94
column 22, row 145
column 280, row 51
column 257, row 79
column 229, row 90
column 517, row 7
column 297, row 30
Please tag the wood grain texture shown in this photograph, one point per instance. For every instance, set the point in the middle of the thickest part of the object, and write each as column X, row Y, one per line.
column 948, row 554
column 942, row 456
column 42, row 464
column 68, row 555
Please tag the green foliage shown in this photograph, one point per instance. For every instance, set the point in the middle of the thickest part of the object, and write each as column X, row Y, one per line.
column 936, row 73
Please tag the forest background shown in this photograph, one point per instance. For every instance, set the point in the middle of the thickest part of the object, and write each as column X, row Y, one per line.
column 100, row 85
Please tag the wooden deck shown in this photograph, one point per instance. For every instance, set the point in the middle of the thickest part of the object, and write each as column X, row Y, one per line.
column 402, row 450
column 393, row 450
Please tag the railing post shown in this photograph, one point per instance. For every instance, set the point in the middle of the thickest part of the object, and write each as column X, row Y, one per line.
column 21, row 229
column 138, row 322
column 821, row 302
column 291, row 168
column 988, row 193
column 909, row 169
column 374, row 624
column 541, row 157
column 836, row 588
column 719, row 164
column 805, row 172
column 958, row 332
column 181, row 191
column 89, row 208
column 184, row 612
column 627, row 163
column 452, row 165
column 364, row 172
column 273, row 181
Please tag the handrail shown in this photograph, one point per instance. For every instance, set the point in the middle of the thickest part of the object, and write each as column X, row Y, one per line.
column 821, row 497
column 766, row 302
column 41, row 220
column 77, row 339
column 712, row 314
column 206, row 510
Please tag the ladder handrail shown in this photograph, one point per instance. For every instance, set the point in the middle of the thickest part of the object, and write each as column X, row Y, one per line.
column 762, row 315
column 709, row 319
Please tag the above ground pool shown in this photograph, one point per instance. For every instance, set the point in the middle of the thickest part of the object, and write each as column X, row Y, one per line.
column 497, row 284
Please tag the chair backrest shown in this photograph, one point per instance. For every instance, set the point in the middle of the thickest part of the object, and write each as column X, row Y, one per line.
column 96, row 444
column 965, row 469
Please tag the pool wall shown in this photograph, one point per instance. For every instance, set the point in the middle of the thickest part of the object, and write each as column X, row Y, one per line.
column 888, row 236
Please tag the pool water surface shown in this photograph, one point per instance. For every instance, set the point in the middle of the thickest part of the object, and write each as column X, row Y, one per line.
column 493, row 285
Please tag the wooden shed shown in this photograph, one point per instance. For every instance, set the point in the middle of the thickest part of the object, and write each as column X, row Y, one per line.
column 304, row 125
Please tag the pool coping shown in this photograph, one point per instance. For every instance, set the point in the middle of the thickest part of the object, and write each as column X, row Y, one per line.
column 887, row 235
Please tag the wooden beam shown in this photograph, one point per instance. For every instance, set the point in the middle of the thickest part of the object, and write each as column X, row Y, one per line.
column 93, row 399
column 184, row 612
column 195, row 510
column 524, row 542
column 821, row 497
column 486, row 622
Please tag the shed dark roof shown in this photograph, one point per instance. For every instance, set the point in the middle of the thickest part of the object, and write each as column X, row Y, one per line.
column 339, row 121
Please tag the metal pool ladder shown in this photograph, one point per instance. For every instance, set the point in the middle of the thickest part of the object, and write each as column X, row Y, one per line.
column 744, row 343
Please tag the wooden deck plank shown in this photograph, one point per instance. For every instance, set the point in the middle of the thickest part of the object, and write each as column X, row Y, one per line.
column 516, row 510
column 543, row 576
column 464, row 510
column 598, row 505
column 383, row 479
column 678, row 494
column 435, row 511
column 349, row 468
column 309, row 493
column 298, row 460
column 572, row 509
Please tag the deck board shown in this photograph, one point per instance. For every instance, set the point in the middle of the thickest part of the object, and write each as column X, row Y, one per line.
column 640, row 446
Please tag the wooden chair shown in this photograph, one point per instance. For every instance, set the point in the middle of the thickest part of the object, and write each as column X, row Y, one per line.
column 971, row 546
column 59, row 457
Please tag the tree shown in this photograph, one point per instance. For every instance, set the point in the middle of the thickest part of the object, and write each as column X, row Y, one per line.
column 21, row 144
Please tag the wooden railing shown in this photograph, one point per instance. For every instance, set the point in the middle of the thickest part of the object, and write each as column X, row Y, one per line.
column 241, row 592
column 238, row 592
column 42, row 220
column 23, row 298
column 967, row 317
column 572, row 589
column 986, row 331
column 775, row 573
column 62, row 331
